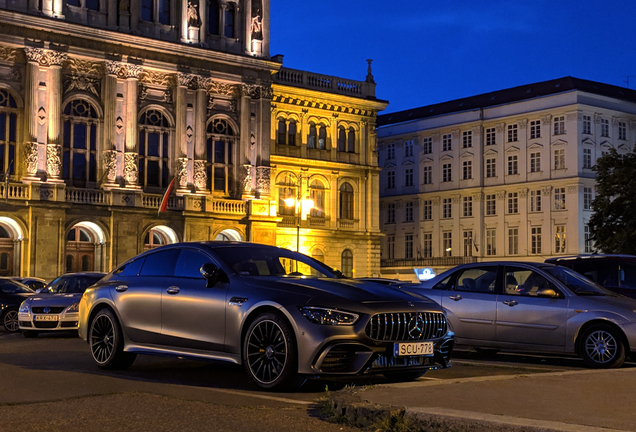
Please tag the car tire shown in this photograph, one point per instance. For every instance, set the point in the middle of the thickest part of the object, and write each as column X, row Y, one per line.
column 404, row 376
column 30, row 333
column 106, row 342
column 10, row 320
column 270, row 353
column 601, row 347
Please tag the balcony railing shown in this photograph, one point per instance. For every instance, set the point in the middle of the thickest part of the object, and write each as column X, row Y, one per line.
column 427, row 262
column 309, row 80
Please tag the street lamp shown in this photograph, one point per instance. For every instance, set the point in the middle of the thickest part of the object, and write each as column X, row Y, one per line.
column 302, row 207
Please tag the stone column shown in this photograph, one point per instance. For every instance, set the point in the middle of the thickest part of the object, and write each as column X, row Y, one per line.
column 181, row 105
column 131, row 150
column 53, row 148
column 110, row 110
column 34, row 55
column 247, row 157
column 201, row 110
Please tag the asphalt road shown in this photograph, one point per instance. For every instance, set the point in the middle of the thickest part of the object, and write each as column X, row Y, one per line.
column 50, row 384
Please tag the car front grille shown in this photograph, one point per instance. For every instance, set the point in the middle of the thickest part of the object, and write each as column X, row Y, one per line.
column 405, row 326
column 53, row 309
column 66, row 324
column 45, row 324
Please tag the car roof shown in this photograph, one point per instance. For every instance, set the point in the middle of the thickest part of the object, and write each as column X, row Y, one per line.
column 594, row 257
column 96, row 274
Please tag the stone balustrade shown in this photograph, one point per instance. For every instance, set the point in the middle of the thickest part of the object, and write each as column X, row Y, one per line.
column 331, row 84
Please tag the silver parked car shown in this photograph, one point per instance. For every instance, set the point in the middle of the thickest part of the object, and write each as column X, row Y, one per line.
column 535, row 307
column 281, row 314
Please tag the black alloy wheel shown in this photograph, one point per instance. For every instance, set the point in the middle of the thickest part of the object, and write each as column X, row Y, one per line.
column 602, row 347
column 270, row 353
column 106, row 342
column 10, row 320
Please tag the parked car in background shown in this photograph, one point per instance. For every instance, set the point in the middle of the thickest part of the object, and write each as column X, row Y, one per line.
column 281, row 314
column 32, row 282
column 535, row 307
column 396, row 283
column 12, row 293
column 55, row 308
column 614, row 272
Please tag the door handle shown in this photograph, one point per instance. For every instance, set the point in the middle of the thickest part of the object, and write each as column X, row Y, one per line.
column 173, row 290
column 510, row 303
column 456, row 297
column 121, row 288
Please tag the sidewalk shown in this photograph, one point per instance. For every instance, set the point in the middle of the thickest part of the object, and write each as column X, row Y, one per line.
column 581, row 401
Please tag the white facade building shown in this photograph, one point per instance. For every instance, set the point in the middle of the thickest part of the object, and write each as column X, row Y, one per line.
column 503, row 175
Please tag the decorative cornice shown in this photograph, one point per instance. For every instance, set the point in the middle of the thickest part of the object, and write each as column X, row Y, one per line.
column 45, row 57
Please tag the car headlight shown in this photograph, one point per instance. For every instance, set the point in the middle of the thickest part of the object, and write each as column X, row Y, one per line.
column 24, row 308
column 318, row 315
column 73, row 308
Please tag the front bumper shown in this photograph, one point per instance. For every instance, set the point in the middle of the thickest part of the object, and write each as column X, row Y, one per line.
column 53, row 321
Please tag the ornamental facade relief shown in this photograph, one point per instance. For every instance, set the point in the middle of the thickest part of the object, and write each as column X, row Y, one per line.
column 53, row 160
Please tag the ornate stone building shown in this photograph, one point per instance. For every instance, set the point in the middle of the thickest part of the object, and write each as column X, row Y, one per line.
column 103, row 103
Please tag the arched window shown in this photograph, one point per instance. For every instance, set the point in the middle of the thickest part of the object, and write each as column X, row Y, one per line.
column 322, row 137
column 346, row 263
column 317, row 194
column 79, row 158
column 8, row 122
column 86, row 262
column 342, row 139
column 282, row 132
column 79, row 234
column 69, row 263
column 154, row 238
column 311, row 138
column 154, row 156
column 291, row 133
column 287, row 189
column 346, row 201
column 230, row 12
column 220, row 147
column 318, row 255
column 213, row 17
column 351, row 140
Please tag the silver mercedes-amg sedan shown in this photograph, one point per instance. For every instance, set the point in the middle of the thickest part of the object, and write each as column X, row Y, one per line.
column 281, row 314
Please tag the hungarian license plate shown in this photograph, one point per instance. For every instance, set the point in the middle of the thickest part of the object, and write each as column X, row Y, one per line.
column 46, row 317
column 413, row 349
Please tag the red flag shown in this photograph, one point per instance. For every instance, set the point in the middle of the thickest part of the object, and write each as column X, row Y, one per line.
column 164, row 200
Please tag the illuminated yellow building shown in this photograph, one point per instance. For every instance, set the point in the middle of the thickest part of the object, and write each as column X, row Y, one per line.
column 103, row 103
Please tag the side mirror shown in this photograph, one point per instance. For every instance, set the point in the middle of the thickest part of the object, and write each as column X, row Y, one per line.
column 547, row 292
column 212, row 273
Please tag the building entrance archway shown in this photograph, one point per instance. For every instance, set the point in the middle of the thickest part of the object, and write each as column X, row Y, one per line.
column 10, row 243
column 229, row 235
column 84, row 248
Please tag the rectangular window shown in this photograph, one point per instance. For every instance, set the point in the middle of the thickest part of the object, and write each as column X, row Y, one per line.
column 408, row 177
column 408, row 246
column 491, row 205
column 512, row 133
column 559, row 198
column 535, row 129
column 587, row 158
column 390, row 151
column 427, row 145
column 604, row 127
column 427, row 210
column 559, row 159
column 467, row 170
column 447, row 208
column 491, row 242
column 535, row 200
column 468, row 243
column 408, row 212
column 535, row 240
column 513, row 241
column 559, row 239
column 513, row 202
column 467, row 139
column 427, row 245
column 535, row 162
column 513, row 165
column 468, row 206
column 491, row 134
column 390, row 247
column 587, row 198
column 447, row 243
column 491, row 168
column 587, row 125
column 588, row 241
column 428, row 174
column 390, row 179
column 446, row 173
column 390, row 213
column 447, row 142
column 622, row 131
column 559, row 125
column 408, row 148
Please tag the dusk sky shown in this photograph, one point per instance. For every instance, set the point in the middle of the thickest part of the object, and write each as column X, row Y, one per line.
column 430, row 51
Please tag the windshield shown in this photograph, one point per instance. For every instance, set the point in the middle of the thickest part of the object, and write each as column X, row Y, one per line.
column 12, row 287
column 577, row 283
column 250, row 261
column 72, row 284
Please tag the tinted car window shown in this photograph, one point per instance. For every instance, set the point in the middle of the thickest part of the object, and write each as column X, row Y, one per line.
column 160, row 263
column 10, row 287
column 57, row 285
column 603, row 272
column 78, row 284
column 576, row 282
column 131, row 269
column 627, row 274
column 478, row 279
column 189, row 264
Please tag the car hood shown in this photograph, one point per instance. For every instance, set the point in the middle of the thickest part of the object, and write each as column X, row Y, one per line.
column 617, row 304
column 50, row 299
column 346, row 293
column 16, row 298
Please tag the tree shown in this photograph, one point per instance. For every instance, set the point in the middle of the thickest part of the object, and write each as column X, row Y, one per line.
column 613, row 224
